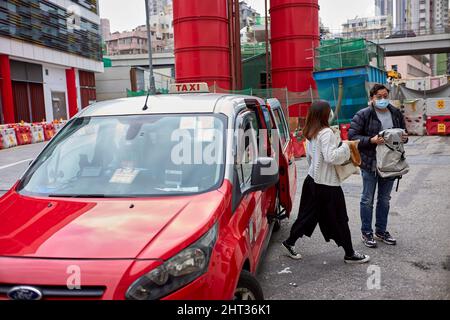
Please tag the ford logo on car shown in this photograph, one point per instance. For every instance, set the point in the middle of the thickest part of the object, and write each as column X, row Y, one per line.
column 24, row 293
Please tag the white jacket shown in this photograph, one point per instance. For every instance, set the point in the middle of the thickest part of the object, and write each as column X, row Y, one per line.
column 322, row 154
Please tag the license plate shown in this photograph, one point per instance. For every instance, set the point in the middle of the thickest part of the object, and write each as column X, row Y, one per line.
column 442, row 128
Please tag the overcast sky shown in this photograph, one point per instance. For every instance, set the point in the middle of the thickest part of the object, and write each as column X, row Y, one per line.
column 127, row 14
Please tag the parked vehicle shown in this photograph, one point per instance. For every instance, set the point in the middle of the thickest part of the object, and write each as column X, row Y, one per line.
column 402, row 34
column 138, row 199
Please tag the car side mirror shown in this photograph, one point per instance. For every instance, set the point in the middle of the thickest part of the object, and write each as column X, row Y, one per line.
column 264, row 174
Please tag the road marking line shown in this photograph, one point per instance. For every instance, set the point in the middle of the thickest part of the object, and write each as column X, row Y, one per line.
column 15, row 164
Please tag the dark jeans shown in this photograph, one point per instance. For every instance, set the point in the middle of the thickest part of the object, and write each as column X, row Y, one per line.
column 370, row 182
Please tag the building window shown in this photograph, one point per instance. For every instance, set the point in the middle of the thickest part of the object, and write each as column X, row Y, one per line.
column 47, row 24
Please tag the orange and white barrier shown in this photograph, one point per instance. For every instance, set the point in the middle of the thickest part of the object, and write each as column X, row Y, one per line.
column 8, row 137
column 15, row 134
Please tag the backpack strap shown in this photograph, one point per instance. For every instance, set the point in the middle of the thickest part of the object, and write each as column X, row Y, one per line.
column 398, row 182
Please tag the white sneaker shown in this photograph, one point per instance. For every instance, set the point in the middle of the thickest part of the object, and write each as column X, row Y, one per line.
column 357, row 258
column 290, row 251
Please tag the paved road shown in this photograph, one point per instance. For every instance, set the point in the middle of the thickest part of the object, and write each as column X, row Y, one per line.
column 417, row 268
column 14, row 161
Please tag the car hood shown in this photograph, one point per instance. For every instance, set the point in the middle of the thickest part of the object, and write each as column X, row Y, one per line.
column 101, row 229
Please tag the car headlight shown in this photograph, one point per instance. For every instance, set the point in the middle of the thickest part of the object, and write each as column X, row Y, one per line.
column 176, row 272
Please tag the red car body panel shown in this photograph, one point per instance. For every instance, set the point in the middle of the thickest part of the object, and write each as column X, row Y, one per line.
column 39, row 243
column 114, row 242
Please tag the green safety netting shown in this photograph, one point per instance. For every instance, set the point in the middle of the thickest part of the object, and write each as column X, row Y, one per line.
column 252, row 49
column 287, row 98
column 348, row 53
column 144, row 93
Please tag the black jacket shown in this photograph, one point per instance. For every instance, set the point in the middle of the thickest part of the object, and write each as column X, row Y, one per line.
column 364, row 126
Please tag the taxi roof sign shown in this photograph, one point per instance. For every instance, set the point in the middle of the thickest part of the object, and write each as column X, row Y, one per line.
column 198, row 87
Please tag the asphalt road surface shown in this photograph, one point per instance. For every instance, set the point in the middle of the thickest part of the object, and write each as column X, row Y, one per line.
column 417, row 268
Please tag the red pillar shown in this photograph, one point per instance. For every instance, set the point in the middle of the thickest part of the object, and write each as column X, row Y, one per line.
column 6, row 89
column 72, row 92
column 294, row 35
column 202, row 42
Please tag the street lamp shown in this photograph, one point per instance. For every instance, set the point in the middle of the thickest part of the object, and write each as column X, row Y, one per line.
column 152, row 89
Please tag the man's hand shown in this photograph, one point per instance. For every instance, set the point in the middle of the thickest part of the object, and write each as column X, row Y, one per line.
column 404, row 137
column 377, row 140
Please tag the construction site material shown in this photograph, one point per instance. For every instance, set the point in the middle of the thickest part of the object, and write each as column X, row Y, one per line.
column 37, row 133
column 203, row 53
column 348, row 53
column 8, row 137
column 413, row 108
column 294, row 34
column 23, row 134
column 416, row 126
column 438, row 107
column 49, row 131
column 438, row 125
column 347, row 90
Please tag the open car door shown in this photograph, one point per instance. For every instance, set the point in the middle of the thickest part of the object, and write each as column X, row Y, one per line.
column 287, row 186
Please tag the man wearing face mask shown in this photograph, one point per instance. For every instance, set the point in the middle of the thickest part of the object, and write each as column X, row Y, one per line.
column 366, row 125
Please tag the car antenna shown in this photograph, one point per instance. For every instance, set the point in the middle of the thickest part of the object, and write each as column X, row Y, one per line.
column 146, row 100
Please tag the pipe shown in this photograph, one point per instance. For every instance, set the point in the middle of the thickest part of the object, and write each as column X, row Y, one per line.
column 267, row 44
column 339, row 100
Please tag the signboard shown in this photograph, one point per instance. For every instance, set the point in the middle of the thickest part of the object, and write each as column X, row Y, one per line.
column 199, row 87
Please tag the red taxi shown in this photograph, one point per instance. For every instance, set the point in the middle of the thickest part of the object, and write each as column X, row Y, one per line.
column 150, row 198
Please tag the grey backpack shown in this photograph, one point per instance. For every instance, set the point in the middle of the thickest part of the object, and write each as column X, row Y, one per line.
column 391, row 160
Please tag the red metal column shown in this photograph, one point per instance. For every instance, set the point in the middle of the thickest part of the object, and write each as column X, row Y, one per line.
column 202, row 49
column 6, row 89
column 72, row 91
column 295, row 34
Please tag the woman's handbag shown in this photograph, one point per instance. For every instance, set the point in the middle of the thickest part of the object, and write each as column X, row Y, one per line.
column 351, row 166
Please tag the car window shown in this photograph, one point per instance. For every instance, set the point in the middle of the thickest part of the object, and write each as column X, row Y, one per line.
column 124, row 156
column 281, row 124
column 247, row 148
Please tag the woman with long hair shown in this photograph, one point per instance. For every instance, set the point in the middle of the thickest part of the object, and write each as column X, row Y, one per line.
column 322, row 200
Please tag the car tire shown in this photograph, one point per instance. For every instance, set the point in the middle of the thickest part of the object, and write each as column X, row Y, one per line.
column 248, row 288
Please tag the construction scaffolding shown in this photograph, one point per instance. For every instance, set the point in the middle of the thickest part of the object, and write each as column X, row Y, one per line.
column 348, row 53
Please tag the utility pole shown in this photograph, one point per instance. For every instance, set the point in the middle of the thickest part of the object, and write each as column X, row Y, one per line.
column 152, row 89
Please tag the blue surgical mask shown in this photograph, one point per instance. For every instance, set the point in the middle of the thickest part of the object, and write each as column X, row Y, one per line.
column 382, row 104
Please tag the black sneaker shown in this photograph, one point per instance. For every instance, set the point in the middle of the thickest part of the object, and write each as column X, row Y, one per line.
column 367, row 239
column 357, row 258
column 386, row 238
column 290, row 251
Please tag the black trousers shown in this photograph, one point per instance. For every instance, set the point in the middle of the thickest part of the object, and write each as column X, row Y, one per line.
column 323, row 205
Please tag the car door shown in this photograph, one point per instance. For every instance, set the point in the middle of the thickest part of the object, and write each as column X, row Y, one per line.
column 288, row 170
column 252, row 208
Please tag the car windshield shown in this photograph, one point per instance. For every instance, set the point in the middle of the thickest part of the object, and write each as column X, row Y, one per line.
column 130, row 156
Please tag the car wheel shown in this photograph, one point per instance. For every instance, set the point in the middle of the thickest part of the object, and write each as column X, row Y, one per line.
column 248, row 288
